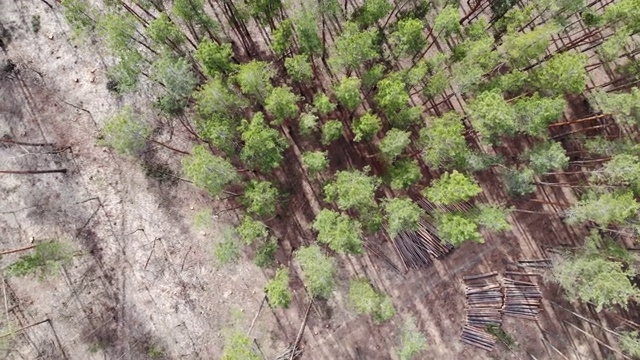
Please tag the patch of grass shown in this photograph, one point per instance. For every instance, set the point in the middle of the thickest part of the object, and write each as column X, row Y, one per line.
column 498, row 332
column 227, row 251
column 35, row 23
column 155, row 352
column 412, row 341
column 203, row 219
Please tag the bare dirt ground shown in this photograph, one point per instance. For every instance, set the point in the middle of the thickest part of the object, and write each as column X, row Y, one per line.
column 143, row 279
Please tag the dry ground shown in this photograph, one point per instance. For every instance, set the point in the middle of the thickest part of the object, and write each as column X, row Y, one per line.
column 143, row 279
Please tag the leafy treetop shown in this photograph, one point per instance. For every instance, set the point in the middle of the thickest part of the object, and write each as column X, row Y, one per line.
column 339, row 231
column 318, row 270
column 352, row 189
column 452, row 187
column 208, row 171
column 263, row 146
column 402, row 215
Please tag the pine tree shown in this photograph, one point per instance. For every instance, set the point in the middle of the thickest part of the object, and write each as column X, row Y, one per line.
column 394, row 143
column 215, row 59
column 318, row 271
column 348, row 92
column 207, row 171
column 452, row 187
column 366, row 127
column 354, row 47
column 263, row 146
column 352, row 189
column 402, row 215
column 126, row 132
column 340, row 232
column 366, row 300
column 444, row 142
column 277, row 289
column 492, row 116
column 261, row 198
column 282, row 103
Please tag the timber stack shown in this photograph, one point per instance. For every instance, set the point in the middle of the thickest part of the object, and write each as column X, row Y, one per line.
column 521, row 298
column 484, row 305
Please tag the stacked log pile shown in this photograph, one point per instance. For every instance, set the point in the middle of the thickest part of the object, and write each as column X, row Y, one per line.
column 484, row 305
column 521, row 298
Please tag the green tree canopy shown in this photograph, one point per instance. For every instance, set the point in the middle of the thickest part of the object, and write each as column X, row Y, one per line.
column 366, row 127
column 447, row 21
column 366, row 300
column 622, row 169
column 125, row 132
column 215, row 59
column 282, row 103
column 522, row 48
column 322, row 104
column 251, row 230
column 331, row 131
column 348, row 92
column 452, row 187
column 535, row 113
column 352, row 189
column 547, row 156
column 443, row 141
column 261, row 198
column 307, row 31
column 308, row 123
column 315, row 161
column 404, row 173
column 630, row 343
column 372, row 11
column 408, row 38
column 354, row 47
column 563, row 73
column 299, row 68
column 625, row 107
column 215, row 97
column 603, row 208
column 590, row 277
column 519, row 182
column 392, row 97
column 340, row 232
column 402, row 215
column 394, row 143
column 220, row 130
column 178, row 80
column 456, row 228
column 492, row 116
column 493, row 217
column 277, row 289
column 254, row 78
column 263, row 146
column 207, row 171
column 165, row 32
column 239, row 347
column 318, row 271
column 281, row 39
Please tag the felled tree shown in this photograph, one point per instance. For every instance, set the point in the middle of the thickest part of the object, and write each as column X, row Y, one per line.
column 46, row 258
column 493, row 217
column 263, row 146
column 394, row 143
column 125, row 132
column 625, row 107
column 277, row 289
column 322, row 104
column 603, row 209
column 261, row 198
column 281, row 40
column 622, row 169
column 535, row 113
column 239, row 347
column 251, row 230
column 393, row 98
column 456, row 228
column 318, row 271
column 352, row 189
column 547, row 156
column 282, row 103
column 178, row 80
column 492, row 116
column 307, row 31
column 308, row 123
column 408, row 38
column 590, row 277
column 165, row 32
column 331, row 131
column 299, row 68
column 348, row 92
column 522, row 48
column 519, row 182
column 354, row 47
column 372, row 11
column 215, row 97
column 366, row 300
column 563, row 73
column 339, row 231
column 366, row 126
column 447, row 21
column 254, row 78
column 443, row 141
column 412, row 341
column 207, row 171
column 404, row 173
column 452, row 187
column 215, row 59
column 315, row 161
column 402, row 215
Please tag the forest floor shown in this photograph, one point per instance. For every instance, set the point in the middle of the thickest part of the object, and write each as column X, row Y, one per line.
column 144, row 281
